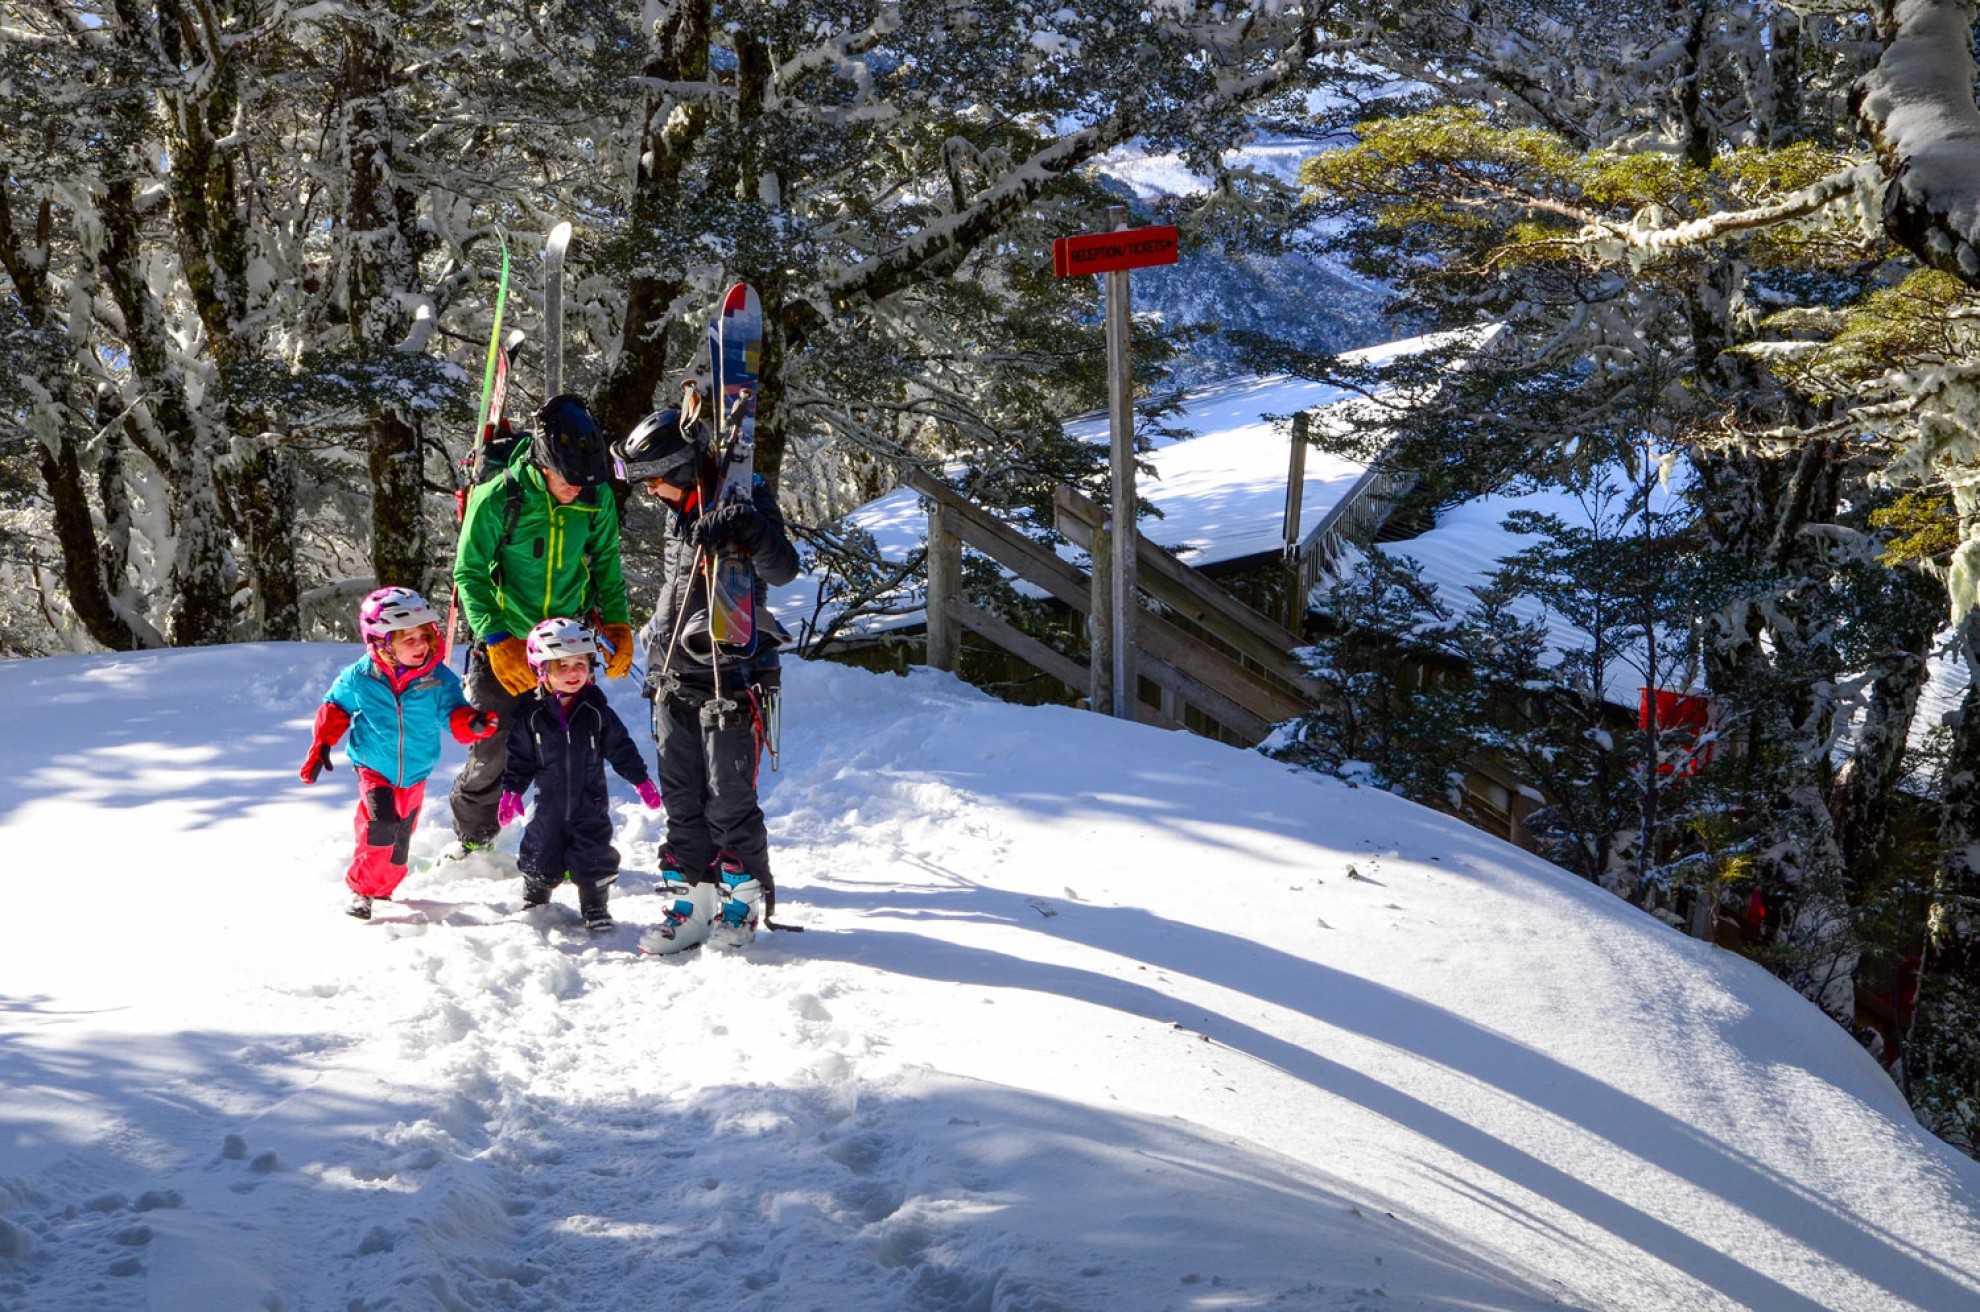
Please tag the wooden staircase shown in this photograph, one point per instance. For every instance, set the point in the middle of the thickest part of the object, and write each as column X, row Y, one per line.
column 1207, row 661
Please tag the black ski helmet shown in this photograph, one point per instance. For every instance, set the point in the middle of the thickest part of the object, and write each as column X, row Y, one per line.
column 657, row 447
column 568, row 441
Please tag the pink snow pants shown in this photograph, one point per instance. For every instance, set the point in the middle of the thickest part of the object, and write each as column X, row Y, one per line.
column 385, row 819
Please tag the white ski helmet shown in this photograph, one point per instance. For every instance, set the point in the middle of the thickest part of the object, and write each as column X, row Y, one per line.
column 557, row 638
column 389, row 610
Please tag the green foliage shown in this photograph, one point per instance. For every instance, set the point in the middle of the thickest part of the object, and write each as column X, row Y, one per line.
column 1924, row 321
column 1508, row 195
column 1435, row 166
column 1395, row 700
column 1923, row 526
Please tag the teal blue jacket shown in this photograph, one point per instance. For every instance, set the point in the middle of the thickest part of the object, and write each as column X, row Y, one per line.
column 396, row 719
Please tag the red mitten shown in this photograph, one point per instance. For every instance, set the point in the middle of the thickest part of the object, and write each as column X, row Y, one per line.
column 318, row 762
column 471, row 726
column 331, row 722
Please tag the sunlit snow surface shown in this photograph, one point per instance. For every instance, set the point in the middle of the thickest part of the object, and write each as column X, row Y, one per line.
column 1084, row 1016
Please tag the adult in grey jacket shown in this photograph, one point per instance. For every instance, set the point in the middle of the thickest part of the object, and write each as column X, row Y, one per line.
column 708, row 698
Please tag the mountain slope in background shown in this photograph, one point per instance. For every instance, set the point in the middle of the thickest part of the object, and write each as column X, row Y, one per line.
column 1084, row 1016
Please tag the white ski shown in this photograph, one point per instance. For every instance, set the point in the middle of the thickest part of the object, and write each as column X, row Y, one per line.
column 553, row 310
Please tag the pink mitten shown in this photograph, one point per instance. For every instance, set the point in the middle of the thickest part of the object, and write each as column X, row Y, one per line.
column 509, row 809
column 649, row 793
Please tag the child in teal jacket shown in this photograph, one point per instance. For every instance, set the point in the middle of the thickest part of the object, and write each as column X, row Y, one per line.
column 393, row 700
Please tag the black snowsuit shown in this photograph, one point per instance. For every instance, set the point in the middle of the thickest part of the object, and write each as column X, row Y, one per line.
column 708, row 752
column 563, row 752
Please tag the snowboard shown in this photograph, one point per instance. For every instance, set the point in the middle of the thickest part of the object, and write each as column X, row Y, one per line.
column 735, row 348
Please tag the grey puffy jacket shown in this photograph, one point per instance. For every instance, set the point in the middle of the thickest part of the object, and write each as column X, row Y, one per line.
column 683, row 602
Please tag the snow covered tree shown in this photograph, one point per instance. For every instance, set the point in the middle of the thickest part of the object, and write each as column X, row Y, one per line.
column 1394, row 689
column 890, row 177
column 247, row 248
column 1688, row 216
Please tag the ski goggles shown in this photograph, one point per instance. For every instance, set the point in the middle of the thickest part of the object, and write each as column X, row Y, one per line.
column 678, row 470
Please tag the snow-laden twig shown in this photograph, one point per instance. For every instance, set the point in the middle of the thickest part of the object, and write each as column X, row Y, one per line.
column 1645, row 237
column 839, row 48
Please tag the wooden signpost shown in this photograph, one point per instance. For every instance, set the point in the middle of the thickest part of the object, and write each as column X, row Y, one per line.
column 1113, row 254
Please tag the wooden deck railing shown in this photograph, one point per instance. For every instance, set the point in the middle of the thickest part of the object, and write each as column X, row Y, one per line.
column 1199, row 646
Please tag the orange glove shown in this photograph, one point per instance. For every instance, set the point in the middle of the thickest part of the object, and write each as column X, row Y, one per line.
column 620, row 638
column 510, row 661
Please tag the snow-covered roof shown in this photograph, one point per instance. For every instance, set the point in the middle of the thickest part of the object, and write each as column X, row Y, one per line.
column 1221, row 492
column 1469, row 543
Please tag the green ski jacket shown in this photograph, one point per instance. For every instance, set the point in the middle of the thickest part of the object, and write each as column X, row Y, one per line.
column 556, row 561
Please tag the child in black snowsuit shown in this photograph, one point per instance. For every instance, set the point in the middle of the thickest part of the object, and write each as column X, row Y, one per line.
column 561, row 735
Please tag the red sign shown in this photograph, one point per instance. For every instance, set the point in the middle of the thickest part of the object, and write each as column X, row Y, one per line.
column 1680, row 715
column 1110, row 252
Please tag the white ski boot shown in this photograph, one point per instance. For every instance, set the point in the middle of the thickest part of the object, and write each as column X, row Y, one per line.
column 742, row 905
column 691, row 908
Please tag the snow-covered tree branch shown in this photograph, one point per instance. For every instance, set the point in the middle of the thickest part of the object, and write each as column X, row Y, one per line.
column 1917, row 105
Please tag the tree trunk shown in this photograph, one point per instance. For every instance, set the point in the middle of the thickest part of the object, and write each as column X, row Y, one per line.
column 202, row 572
column 84, row 570
column 1868, row 780
column 1942, row 1054
column 113, row 491
column 381, row 266
column 212, row 235
column 399, row 545
column 636, row 370
column 267, row 498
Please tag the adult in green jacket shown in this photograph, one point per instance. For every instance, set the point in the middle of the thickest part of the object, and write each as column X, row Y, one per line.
column 540, row 541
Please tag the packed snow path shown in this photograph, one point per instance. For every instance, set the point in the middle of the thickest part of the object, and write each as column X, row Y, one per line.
column 1085, row 1016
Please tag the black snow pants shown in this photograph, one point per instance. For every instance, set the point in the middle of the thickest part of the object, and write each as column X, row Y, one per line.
column 575, row 839
column 478, row 787
column 708, row 761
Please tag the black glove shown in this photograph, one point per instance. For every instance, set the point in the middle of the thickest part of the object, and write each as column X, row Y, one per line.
column 739, row 522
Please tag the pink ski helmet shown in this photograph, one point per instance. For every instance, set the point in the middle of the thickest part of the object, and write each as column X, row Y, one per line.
column 389, row 610
column 555, row 639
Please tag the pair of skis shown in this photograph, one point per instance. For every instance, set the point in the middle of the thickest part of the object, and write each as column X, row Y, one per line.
column 735, row 351
column 503, row 352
